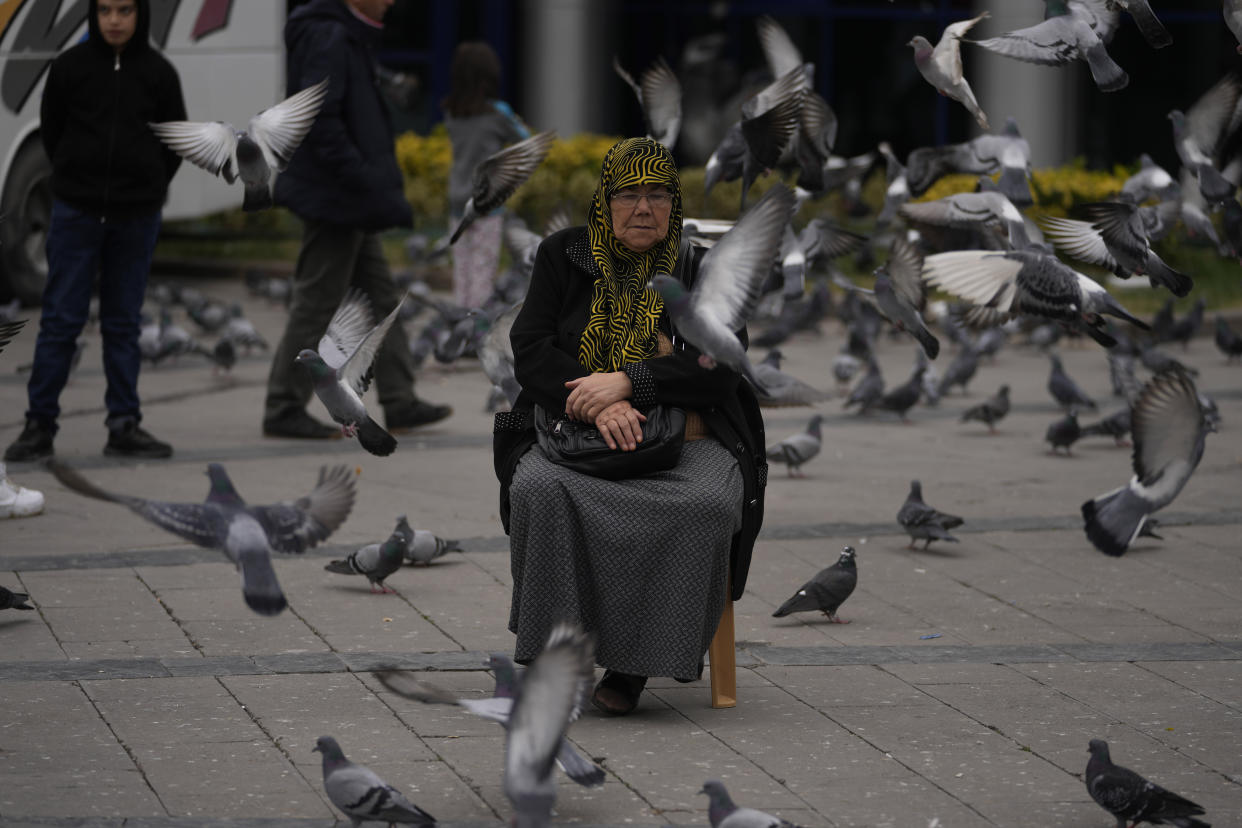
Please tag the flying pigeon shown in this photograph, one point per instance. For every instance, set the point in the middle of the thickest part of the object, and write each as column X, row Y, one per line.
column 13, row 600
column 1064, row 433
column 360, row 794
column 252, row 154
column 971, row 211
column 727, row 289
column 1072, row 31
column 1229, row 343
column 500, row 174
column 798, row 448
column 341, row 370
column 990, row 411
column 1007, row 152
column 1199, row 133
column 1131, row 798
column 1169, row 428
column 826, row 591
column 659, row 94
column 1151, row 181
column 896, row 187
column 377, row 560
column 1116, row 238
column 1063, row 388
column 784, row 388
column 1031, row 281
column 496, row 354
column 553, row 691
column 922, row 522
column 722, row 813
column 8, row 330
column 497, row 709
column 941, row 66
column 769, row 123
column 246, row 534
column 899, row 293
column 425, row 546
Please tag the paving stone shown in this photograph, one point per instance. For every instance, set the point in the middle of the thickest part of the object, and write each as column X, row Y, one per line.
column 27, row 638
column 179, row 647
column 254, row 635
column 118, row 622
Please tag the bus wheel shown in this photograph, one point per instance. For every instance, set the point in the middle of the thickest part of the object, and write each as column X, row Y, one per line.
column 26, row 205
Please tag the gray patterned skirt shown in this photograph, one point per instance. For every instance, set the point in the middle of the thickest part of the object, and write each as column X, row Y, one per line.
column 641, row 563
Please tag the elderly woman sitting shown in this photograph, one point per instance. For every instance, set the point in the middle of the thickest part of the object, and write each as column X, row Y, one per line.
column 643, row 562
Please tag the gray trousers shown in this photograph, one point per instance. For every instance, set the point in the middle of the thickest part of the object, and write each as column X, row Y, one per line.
column 334, row 259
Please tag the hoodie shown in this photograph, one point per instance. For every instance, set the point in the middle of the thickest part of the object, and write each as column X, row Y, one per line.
column 94, row 115
column 345, row 171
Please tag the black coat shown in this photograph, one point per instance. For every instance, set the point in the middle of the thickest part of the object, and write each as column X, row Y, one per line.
column 345, row 171
column 545, row 338
column 93, row 122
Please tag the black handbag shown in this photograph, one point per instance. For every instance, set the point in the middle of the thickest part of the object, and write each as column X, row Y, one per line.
column 579, row 446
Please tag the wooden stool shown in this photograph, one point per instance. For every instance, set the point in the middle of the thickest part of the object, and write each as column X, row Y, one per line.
column 722, row 661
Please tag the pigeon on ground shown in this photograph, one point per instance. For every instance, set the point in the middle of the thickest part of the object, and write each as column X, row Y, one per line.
column 1115, row 425
column 1156, row 360
column 341, row 370
column 1121, row 374
column 241, row 331
column 722, row 813
column 659, row 95
column 1064, row 390
column 798, row 448
column 844, row 366
column 990, row 411
column 553, row 691
column 727, row 289
column 1132, row 799
column 360, row 794
column 784, row 388
column 1072, row 31
column 500, row 174
column 1229, row 343
column 922, row 522
column 961, row 370
column 826, row 591
column 942, row 66
column 497, row 709
column 247, row 534
column 8, row 330
column 868, row 390
column 1184, row 329
column 902, row 398
column 425, row 546
column 1031, row 281
column 1064, row 433
column 208, row 314
column 1169, row 428
column 377, row 560
column 13, row 600
column 254, row 154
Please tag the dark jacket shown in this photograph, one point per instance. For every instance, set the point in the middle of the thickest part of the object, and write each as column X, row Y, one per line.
column 345, row 172
column 545, row 339
column 94, row 115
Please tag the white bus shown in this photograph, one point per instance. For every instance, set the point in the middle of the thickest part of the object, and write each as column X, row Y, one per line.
column 230, row 56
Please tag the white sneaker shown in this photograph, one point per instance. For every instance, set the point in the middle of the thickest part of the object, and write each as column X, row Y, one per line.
column 17, row 501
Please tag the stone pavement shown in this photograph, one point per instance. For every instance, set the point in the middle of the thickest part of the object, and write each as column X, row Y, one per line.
column 143, row 691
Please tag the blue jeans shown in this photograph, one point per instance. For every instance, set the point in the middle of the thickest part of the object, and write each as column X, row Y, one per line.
column 80, row 247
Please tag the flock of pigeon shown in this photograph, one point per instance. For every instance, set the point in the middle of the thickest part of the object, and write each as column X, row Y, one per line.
column 980, row 249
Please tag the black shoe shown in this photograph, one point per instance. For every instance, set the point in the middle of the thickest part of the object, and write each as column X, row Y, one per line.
column 300, row 426
column 617, row 693
column 420, row 413
column 132, row 440
column 34, row 443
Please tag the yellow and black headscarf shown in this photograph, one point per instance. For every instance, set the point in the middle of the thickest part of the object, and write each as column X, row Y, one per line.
column 624, row 315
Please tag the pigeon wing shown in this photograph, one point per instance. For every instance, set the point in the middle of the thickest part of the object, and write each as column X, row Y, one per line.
column 1121, row 227
column 733, row 271
column 1167, row 424
column 356, row 370
column 279, row 129
column 905, row 267
column 778, row 48
column 948, row 51
column 346, row 330
column 980, row 277
column 211, row 145
column 1054, row 42
column 499, row 175
column 297, row 526
column 661, row 99
column 1080, row 240
column 1208, row 117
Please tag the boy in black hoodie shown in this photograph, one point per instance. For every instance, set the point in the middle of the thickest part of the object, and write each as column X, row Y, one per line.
column 110, row 176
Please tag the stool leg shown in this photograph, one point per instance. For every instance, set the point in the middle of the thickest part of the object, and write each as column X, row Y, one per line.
column 723, row 661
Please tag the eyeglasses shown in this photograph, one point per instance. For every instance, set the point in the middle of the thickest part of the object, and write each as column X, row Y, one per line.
column 654, row 200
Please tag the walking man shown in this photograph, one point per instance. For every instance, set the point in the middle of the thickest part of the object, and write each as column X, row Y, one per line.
column 110, row 175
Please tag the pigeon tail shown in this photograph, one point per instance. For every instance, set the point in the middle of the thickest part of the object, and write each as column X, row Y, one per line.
column 258, row 197
column 578, row 768
column 804, row 601
column 345, row 566
column 466, row 220
column 1153, row 31
column 259, row 585
column 1107, row 74
column 931, row 345
column 1159, row 273
column 1112, row 521
column 1215, row 187
column 373, row 438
